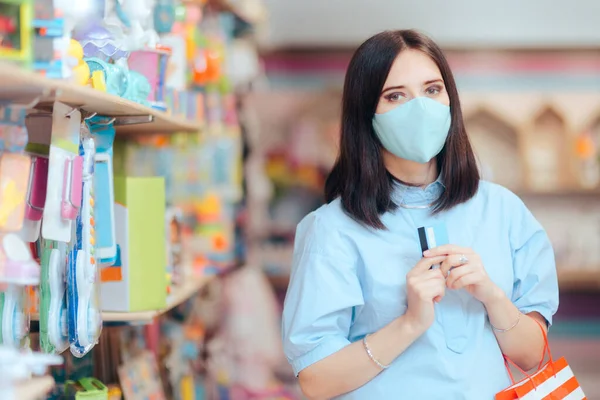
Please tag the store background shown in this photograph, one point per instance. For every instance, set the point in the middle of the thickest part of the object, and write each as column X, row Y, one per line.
column 529, row 77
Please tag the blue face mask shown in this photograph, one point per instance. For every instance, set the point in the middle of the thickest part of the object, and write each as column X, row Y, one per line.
column 414, row 131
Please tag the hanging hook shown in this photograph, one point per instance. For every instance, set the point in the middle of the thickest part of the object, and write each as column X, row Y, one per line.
column 92, row 115
column 68, row 115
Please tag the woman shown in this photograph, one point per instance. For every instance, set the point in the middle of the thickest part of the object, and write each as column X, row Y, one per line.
column 368, row 315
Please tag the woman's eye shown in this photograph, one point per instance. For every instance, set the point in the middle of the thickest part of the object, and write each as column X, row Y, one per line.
column 433, row 90
column 395, row 97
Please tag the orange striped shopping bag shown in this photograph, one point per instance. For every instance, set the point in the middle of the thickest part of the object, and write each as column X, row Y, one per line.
column 553, row 381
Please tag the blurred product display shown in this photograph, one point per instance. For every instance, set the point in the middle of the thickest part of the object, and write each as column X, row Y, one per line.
column 120, row 186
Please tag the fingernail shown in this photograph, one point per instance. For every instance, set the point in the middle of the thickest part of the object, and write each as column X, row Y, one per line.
column 426, row 252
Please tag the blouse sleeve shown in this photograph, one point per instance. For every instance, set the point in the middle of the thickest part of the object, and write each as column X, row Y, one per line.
column 535, row 284
column 323, row 291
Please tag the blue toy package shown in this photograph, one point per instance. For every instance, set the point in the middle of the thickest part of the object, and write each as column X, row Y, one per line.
column 103, row 133
column 85, row 317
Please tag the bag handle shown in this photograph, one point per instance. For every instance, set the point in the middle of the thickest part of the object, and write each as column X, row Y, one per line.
column 546, row 349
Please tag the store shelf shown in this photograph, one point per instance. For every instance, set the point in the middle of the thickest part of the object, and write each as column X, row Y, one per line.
column 579, row 280
column 178, row 296
column 24, row 87
column 34, row 389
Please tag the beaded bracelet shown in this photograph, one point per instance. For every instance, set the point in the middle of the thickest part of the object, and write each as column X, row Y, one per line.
column 370, row 354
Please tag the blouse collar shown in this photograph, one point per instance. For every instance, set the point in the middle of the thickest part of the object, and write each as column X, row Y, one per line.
column 415, row 196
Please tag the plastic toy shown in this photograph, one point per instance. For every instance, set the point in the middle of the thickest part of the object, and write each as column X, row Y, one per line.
column 98, row 42
column 54, row 335
column 85, row 319
column 136, row 17
column 138, row 88
column 80, row 69
column 152, row 64
column 115, row 77
column 15, row 30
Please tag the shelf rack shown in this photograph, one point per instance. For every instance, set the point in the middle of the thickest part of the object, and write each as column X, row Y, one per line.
column 25, row 87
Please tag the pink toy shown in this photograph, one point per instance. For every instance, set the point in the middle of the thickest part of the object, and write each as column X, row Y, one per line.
column 72, row 186
column 152, row 63
column 38, row 182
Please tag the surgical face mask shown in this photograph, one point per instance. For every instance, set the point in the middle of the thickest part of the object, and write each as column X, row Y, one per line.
column 416, row 130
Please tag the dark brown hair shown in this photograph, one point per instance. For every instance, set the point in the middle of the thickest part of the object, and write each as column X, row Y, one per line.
column 359, row 176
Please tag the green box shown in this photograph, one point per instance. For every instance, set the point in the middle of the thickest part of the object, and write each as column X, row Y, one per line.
column 141, row 284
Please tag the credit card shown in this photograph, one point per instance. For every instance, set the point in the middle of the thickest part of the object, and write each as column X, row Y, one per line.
column 433, row 236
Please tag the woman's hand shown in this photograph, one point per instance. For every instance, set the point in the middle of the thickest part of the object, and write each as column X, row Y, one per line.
column 424, row 286
column 464, row 270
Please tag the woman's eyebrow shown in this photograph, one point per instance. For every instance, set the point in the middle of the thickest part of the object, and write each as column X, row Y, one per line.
column 427, row 82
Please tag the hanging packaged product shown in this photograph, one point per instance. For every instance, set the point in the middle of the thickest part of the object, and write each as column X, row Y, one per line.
column 36, row 198
column 54, row 334
column 63, row 195
column 140, row 228
column 103, row 132
column 85, row 318
column 14, row 168
column 16, row 263
column 39, row 129
column 14, row 318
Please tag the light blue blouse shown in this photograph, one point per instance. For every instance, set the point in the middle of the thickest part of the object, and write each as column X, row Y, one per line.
column 348, row 281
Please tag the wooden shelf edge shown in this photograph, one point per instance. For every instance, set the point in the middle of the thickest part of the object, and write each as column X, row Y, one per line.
column 35, row 388
column 21, row 85
column 180, row 295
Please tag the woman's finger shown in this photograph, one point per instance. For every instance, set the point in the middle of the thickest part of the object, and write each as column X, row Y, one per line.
column 447, row 249
column 425, row 264
column 458, row 273
column 454, row 261
column 466, row 280
column 429, row 290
